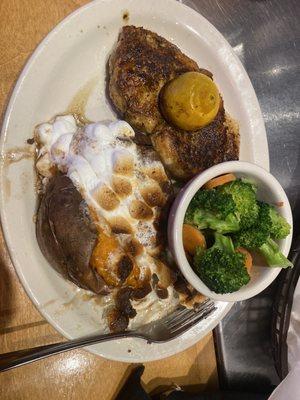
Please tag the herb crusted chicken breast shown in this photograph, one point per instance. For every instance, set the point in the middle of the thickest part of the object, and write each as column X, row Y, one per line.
column 139, row 67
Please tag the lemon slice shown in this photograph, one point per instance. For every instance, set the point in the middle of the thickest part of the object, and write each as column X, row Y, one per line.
column 190, row 101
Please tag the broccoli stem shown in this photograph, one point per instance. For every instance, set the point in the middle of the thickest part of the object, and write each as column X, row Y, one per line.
column 204, row 219
column 273, row 256
column 223, row 243
column 229, row 224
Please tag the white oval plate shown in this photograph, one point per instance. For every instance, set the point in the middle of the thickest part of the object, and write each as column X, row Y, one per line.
column 73, row 57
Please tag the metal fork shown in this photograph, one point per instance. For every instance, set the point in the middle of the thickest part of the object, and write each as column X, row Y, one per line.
column 162, row 330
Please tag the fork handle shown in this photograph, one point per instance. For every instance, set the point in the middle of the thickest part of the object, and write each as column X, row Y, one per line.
column 21, row 357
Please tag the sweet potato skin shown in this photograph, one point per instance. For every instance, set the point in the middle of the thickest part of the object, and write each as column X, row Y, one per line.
column 66, row 235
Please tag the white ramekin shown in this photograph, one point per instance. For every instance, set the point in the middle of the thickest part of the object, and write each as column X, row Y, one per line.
column 269, row 190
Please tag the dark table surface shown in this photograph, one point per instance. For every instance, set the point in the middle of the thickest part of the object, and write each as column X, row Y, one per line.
column 265, row 35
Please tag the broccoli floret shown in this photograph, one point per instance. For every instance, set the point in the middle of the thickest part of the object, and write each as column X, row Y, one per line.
column 280, row 228
column 220, row 267
column 214, row 210
column 213, row 201
column 258, row 238
column 269, row 223
column 254, row 237
column 272, row 221
column 272, row 254
column 264, row 219
column 244, row 197
column 251, row 238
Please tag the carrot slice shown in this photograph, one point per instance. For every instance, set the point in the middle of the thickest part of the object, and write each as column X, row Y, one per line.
column 192, row 238
column 248, row 258
column 219, row 180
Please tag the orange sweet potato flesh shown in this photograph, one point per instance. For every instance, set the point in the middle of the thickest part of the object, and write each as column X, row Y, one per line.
column 107, row 246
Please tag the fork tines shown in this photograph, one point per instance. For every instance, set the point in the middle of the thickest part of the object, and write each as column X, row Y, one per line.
column 184, row 318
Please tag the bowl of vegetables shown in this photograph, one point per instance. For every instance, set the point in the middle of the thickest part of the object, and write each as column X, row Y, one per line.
column 230, row 231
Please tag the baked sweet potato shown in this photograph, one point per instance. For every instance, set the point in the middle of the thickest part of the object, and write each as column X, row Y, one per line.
column 66, row 235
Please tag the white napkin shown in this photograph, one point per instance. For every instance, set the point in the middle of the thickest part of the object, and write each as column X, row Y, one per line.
column 293, row 338
column 289, row 389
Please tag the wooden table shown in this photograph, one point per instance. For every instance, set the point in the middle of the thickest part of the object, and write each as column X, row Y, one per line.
column 76, row 374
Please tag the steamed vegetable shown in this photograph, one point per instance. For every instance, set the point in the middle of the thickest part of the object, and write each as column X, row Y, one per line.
column 259, row 237
column 192, row 238
column 220, row 267
column 228, row 211
column 248, row 257
column 272, row 254
column 228, row 208
column 211, row 209
column 219, row 180
column 270, row 220
column 244, row 197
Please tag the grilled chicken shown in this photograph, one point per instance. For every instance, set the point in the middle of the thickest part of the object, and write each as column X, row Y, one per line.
column 139, row 67
column 185, row 154
column 141, row 64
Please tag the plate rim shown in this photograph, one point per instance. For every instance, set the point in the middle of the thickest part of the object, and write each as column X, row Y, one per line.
column 7, row 114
